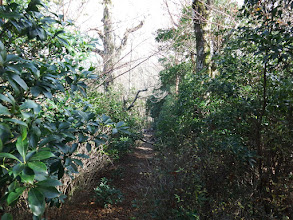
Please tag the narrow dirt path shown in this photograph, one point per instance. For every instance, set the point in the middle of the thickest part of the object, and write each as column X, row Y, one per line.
column 128, row 175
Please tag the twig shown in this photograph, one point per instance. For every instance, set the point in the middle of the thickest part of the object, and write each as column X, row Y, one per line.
column 121, row 74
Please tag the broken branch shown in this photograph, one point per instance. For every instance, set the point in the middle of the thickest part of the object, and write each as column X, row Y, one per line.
column 135, row 98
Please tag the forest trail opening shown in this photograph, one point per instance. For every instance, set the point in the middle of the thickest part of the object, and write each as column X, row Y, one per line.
column 128, row 175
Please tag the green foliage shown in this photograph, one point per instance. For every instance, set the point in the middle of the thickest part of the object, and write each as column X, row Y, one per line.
column 106, row 195
column 119, row 146
column 234, row 129
column 43, row 120
column 111, row 103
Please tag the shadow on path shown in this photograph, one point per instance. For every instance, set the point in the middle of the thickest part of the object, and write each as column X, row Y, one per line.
column 128, row 175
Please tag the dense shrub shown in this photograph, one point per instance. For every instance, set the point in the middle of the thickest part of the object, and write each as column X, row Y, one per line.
column 43, row 123
column 111, row 103
column 231, row 134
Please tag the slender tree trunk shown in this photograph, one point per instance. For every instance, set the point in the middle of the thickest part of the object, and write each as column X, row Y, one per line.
column 109, row 47
column 110, row 53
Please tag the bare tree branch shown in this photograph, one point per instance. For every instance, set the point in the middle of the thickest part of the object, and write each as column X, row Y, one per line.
column 135, row 98
column 121, row 74
column 170, row 15
column 99, row 32
column 100, row 52
column 126, row 34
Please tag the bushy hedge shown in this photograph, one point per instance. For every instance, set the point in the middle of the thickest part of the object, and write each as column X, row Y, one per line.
column 42, row 120
column 231, row 135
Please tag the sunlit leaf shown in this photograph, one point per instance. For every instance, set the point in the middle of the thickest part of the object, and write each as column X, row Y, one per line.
column 37, row 166
column 42, row 155
column 36, row 202
column 21, row 146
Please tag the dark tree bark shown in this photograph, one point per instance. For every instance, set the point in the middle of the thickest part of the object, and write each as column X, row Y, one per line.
column 135, row 98
column 200, row 19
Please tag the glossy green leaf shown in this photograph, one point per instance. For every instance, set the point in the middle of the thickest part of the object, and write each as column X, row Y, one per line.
column 33, row 69
column 14, row 69
column 120, row 124
column 88, row 147
column 12, row 186
column 62, row 41
column 36, row 130
column 78, row 162
column 1, row 61
column 82, row 138
column 106, row 119
column 12, row 196
column 99, row 142
column 30, row 104
column 3, row 54
column 4, row 110
column 73, row 148
column 63, row 147
column 49, row 183
column 5, row 99
column 48, row 139
column 10, row 15
column 23, row 132
column 8, row 155
column 12, row 57
column 28, row 175
column 49, row 192
column 36, row 202
column 11, row 98
column 19, row 81
column 33, row 140
column 64, row 125
column 36, row 90
column 37, row 166
column 42, row 155
column 21, row 146
column 16, row 121
column 114, row 131
column 14, row 86
column 17, row 169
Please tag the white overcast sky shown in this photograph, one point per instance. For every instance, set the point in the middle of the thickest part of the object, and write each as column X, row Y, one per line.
column 127, row 14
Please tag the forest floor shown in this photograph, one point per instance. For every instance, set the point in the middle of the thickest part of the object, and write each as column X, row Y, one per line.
column 128, row 175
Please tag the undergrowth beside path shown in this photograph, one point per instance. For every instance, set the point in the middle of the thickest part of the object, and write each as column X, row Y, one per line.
column 128, row 175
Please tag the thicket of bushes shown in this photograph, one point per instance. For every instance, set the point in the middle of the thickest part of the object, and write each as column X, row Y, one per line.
column 48, row 126
column 226, row 141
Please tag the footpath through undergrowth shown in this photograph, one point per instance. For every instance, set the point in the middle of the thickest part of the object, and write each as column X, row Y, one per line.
column 128, row 175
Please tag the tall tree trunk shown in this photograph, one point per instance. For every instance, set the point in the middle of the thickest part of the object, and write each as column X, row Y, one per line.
column 200, row 19
column 108, row 43
column 110, row 53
